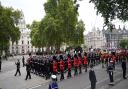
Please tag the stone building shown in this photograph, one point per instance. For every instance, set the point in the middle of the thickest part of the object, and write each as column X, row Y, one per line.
column 24, row 45
column 114, row 36
column 95, row 39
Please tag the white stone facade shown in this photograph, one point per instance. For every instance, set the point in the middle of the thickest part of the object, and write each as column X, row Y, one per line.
column 24, row 45
column 95, row 39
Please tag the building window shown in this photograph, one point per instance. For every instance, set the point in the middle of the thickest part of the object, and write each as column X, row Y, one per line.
column 28, row 42
column 28, row 46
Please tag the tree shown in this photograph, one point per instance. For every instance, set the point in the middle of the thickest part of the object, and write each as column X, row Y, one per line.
column 59, row 25
column 112, row 9
column 8, row 25
column 124, row 43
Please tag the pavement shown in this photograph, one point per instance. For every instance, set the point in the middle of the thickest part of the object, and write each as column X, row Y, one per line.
column 9, row 81
column 122, row 85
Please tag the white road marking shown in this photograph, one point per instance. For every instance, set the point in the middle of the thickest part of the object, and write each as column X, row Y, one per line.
column 34, row 87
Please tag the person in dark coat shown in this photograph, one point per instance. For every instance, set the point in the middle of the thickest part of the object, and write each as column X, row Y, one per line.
column 124, row 67
column 18, row 68
column 28, row 69
column 92, row 77
column 23, row 61
column 110, row 70
column 0, row 63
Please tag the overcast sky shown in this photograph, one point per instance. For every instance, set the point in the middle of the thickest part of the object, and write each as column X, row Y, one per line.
column 34, row 10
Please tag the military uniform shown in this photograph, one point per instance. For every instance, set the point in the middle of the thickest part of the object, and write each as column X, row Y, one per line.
column 85, row 62
column 18, row 68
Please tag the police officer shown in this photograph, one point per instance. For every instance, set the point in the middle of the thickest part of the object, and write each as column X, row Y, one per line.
column 53, row 84
column 110, row 71
column 28, row 69
column 124, row 67
column 18, row 68
column 92, row 77
column 0, row 63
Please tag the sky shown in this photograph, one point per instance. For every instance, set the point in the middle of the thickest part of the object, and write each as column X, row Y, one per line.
column 34, row 10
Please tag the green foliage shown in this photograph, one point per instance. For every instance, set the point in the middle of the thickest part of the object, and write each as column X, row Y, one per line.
column 124, row 43
column 112, row 9
column 60, row 25
column 8, row 26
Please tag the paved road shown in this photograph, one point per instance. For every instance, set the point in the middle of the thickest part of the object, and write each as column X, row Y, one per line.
column 9, row 81
column 82, row 81
column 10, row 63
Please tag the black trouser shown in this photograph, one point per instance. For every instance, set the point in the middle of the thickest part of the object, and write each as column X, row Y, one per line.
column 17, row 71
column 62, row 75
column 93, row 85
column 85, row 67
column 80, row 69
column 28, row 74
column 75, row 70
column 69, row 73
column 111, row 76
column 93, row 61
column 23, row 64
column 124, row 73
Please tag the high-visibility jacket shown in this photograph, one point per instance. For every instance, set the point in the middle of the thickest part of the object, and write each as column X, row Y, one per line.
column 62, row 65
column 55, row 66
column 85, row 60
column 75, row 62
column 69, row 63
column 79, row 61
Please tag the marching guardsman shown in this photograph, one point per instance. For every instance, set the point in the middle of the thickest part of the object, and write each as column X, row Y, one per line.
column 110, row 71
column 55, row 65
column 106, row 59
column 75, row 64
column 102, row 60
column 28, row 69
column 85, row 61
column 69, row 66
column 61, row 67
column 114, row 60
column 79, row 63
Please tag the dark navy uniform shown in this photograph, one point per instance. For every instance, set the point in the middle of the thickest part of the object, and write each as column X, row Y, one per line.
column 110, row 71
column 18, row 68
column 28, row 69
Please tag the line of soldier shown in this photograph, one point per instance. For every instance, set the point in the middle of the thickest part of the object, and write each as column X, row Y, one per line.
column 58, row 64
column 62, row 63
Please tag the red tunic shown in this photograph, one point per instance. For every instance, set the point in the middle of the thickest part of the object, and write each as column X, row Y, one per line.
column 62, row 65
column 85, row 60
column 69, row 63
column 75, row 62
column 55, row 66
column 79, row 61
